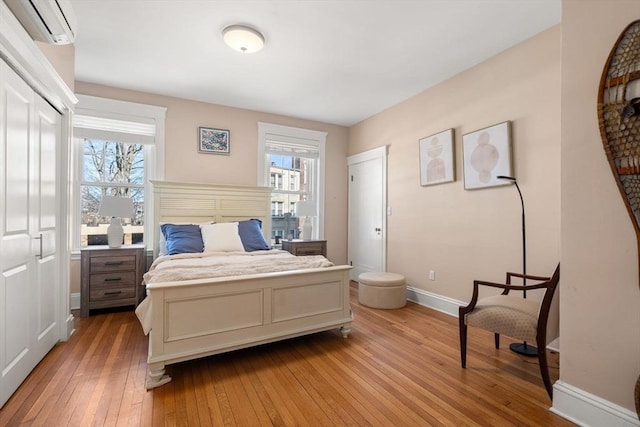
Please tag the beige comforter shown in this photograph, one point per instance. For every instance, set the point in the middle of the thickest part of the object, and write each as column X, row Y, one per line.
column 220, row 264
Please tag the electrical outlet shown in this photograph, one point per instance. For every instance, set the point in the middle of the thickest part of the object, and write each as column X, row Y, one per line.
column 432, row 275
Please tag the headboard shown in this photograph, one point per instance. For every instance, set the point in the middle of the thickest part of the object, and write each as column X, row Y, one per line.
column 196, row 203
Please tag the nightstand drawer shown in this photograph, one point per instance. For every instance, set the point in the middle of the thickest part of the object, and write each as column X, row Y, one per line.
column 310, row 249
column 126, row 278
column 112, row 292
column 305, row 247
column 103, row 264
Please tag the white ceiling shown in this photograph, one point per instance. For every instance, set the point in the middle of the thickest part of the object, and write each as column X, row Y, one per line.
column 327, row 60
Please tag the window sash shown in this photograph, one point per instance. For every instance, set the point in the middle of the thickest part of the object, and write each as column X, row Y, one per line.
column 107, row 152
column 93, row 227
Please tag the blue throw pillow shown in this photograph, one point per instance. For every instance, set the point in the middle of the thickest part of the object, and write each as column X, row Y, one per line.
column 182, row 238
column 250, row 232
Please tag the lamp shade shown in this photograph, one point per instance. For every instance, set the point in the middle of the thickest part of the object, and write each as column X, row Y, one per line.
column 305, row 208
column 121, row 207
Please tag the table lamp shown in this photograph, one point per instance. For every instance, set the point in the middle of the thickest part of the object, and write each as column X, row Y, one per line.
column 116, row 208
column 306, row 209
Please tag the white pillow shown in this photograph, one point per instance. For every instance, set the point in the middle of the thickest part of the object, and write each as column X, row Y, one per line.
column 221, row 237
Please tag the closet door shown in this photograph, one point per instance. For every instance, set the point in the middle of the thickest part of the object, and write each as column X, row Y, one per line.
column 29, row 283
column 43, row 213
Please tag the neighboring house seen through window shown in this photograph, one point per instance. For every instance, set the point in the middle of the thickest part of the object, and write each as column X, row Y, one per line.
column 291, row 162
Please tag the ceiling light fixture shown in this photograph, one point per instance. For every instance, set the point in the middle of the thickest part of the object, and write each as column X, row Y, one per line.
column 243, row 39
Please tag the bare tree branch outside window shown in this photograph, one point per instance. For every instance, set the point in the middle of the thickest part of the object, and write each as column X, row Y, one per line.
column 111, row 168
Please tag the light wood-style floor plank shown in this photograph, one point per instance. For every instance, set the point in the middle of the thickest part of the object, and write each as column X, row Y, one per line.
column 398, row 367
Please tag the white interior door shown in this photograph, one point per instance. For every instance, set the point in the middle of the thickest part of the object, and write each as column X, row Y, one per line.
column 29, row 280
column 367, row 211
column 43, row 213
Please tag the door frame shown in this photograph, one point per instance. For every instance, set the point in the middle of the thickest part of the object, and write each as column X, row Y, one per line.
column 374, row 154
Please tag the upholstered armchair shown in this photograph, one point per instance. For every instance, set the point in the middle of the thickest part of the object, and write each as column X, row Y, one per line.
column 512, row 315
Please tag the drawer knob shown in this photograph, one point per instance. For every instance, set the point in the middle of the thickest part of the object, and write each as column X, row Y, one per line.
column 113, row 279
column 113, row 263
column 113, row 292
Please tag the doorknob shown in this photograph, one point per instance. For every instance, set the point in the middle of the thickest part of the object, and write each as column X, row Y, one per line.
column 378, row 230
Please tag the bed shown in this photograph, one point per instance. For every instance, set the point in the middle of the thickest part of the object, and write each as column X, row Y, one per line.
column 198, row 317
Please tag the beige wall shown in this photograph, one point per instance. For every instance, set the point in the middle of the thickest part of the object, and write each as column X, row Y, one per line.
column 63, row 59
column 465, row 234
column 184, row 163
column 461, row 234
column 600, row 302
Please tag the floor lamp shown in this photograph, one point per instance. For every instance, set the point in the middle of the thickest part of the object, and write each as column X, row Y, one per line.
column 521, row 348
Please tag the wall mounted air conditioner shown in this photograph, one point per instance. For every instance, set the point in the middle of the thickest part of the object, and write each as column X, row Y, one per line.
column 49, row 21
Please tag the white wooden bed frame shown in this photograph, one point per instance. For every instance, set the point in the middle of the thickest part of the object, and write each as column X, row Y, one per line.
column 197, row 318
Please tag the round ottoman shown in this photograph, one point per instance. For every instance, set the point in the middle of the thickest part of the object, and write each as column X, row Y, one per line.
column 382, row 290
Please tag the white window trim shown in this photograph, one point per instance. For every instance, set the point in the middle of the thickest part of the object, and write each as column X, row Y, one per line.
column 309, row 137
column 154, row 156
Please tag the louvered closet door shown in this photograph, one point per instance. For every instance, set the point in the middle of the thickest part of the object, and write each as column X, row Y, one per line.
column 29, row 280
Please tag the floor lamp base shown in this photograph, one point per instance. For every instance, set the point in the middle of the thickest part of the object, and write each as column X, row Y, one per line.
column 524, row 349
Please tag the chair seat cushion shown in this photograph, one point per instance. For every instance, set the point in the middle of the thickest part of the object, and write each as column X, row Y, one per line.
column 509, row 315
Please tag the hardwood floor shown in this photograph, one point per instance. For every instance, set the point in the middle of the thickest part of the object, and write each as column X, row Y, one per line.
column 397, row 368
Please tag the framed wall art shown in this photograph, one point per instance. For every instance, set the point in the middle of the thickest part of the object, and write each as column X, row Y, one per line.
column 213, row 141
column 436, row 158
column 486, row 155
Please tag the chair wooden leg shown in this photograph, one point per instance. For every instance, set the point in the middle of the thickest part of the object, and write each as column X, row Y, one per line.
column 463, row 342
column 544, row 370
column 497, row 340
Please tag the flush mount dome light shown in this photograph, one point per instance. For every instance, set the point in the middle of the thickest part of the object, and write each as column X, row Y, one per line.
column 243, row 39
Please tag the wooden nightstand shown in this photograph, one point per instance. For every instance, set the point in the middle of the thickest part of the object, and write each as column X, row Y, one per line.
column 305, row 247
column 111, row 277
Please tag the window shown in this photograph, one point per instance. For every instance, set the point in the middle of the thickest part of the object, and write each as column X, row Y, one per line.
column 276, row 208
column 291, row 161
column 118, row 150
column 115, row 169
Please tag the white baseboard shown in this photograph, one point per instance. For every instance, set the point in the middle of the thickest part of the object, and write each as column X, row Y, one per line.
column 74, row 302
column 71, row 328
column 554, row 345
column 434, row 301
column 586, row 409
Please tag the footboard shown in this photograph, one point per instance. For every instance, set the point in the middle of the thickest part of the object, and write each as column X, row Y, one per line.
column 198, row 318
